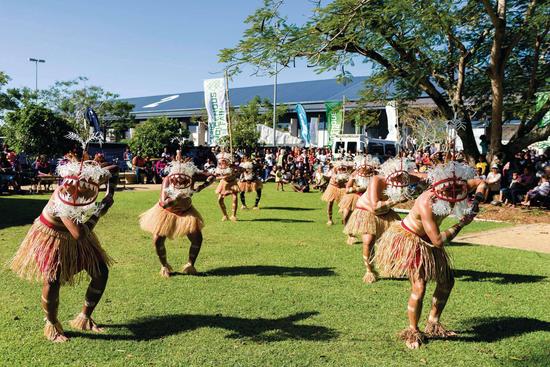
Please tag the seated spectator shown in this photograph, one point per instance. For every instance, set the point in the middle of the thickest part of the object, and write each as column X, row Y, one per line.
column 42, row 166
column 479, row 174
column 482, row 164
column 539, row 194
column 7, row 174
column 300, row 183
column 493, row 184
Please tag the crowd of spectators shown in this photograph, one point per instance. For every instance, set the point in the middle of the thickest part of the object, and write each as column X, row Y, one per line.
column 524, row 180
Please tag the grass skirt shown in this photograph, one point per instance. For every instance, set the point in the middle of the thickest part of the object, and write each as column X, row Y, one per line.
column 49, row 253
column 348, row 202
column 362, row 221
column 250, row 186
column 333, row 193
column 162, row 222
column 402, row 253
column 225, row 186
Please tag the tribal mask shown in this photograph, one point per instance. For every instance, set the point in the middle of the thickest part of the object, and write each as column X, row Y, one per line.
column 450, row 186
column 78, row 192
column 180, row 179
column 396, row 172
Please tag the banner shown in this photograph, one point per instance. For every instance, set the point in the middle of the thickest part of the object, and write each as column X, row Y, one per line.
column 304, row 126
column 214, row 100
column 542, row 98
column 391, row 113
column 314, row 131
column 334, row 120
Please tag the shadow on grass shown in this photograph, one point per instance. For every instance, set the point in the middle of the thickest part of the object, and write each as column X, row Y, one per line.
column 258, row 329
column 291, row 208
column 272, row 270
column 20, row 211
column 492, row 329
column 498, row 278
column 280, row 220
column 460, row 244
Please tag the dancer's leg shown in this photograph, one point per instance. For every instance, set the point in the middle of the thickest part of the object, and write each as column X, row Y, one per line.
column 221, row 203
column 330, row 204
column 243, row 200
column 194, row 250
column 258, row 198
column 94, row 292
column 160, row 248
column 412, row 336
column 234, row 204
column 439, row 300
column 50, row 304
column 368, row 246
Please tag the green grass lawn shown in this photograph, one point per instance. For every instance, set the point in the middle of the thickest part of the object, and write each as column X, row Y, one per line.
column 279, row 288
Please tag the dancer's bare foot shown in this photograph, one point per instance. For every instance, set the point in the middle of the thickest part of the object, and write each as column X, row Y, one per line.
column 256, row 208
column 83, row 322
column 166, row 271
column 350, row 240
column 233, row 218
column 244, row 207
column 370, row 277
column 436, row 330
column 330, row 222
column 413, row 338
column 225, row 218
column 54, row 332
column 189, row 269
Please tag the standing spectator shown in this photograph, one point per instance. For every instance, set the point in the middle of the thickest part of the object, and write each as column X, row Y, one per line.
column 138, row 163
column 128, row 158
column 484, row 144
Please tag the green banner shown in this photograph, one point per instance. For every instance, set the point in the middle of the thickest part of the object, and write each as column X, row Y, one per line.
column 334, row 120
column 542, row 98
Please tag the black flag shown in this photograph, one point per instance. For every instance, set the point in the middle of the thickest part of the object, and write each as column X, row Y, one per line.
column 92, row 119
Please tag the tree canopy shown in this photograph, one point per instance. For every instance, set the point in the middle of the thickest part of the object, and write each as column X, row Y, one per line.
column 151, row 136
column 35, row 130
column 475, row 59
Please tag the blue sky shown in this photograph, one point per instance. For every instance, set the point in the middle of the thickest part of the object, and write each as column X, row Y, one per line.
column 134, row 48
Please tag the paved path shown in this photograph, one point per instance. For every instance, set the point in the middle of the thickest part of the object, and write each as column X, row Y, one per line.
column 532, row 237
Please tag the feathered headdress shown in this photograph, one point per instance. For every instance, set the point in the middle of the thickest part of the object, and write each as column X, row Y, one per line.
column 396, row 173
column 450, row 186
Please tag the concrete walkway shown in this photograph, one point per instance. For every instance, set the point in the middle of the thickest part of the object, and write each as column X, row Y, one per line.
column 531, row 237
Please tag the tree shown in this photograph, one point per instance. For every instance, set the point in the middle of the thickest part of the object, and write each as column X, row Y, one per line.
column 151, row 136
column 71, row 98
column 472, row 58
column 35, row 130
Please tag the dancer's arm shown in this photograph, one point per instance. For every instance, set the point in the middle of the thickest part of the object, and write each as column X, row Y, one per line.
column 431, row 228
column 206, row 183
column 380, row 206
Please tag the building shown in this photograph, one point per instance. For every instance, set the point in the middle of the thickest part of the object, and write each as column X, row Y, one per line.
column 311, row 94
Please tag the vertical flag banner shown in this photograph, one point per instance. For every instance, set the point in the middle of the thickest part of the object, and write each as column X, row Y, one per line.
column 304, row 126
column 214, row 100
column 314, row 131
column 334, row 120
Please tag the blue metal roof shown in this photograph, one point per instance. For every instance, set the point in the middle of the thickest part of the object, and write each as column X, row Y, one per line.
column 308, row 92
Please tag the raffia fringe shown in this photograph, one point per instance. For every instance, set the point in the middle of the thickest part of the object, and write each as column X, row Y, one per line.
column 348, row 202
column 82, row 322
column 250, row 186
column 162, row 222
column 46, row 252
column 225, row 186
column 51, row 330
column 401, row 253
column 364, row 222
column 333, row 193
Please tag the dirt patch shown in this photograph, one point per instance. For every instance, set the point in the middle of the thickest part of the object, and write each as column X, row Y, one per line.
column 532, row 237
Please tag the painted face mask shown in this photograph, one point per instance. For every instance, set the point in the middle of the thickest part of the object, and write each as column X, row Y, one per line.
column 224, row 164
column 450, row 187
column 180, row 179
column 77, row 194
column 396, row 172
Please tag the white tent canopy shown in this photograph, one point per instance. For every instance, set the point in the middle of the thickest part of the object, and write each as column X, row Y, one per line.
column 281, row 138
